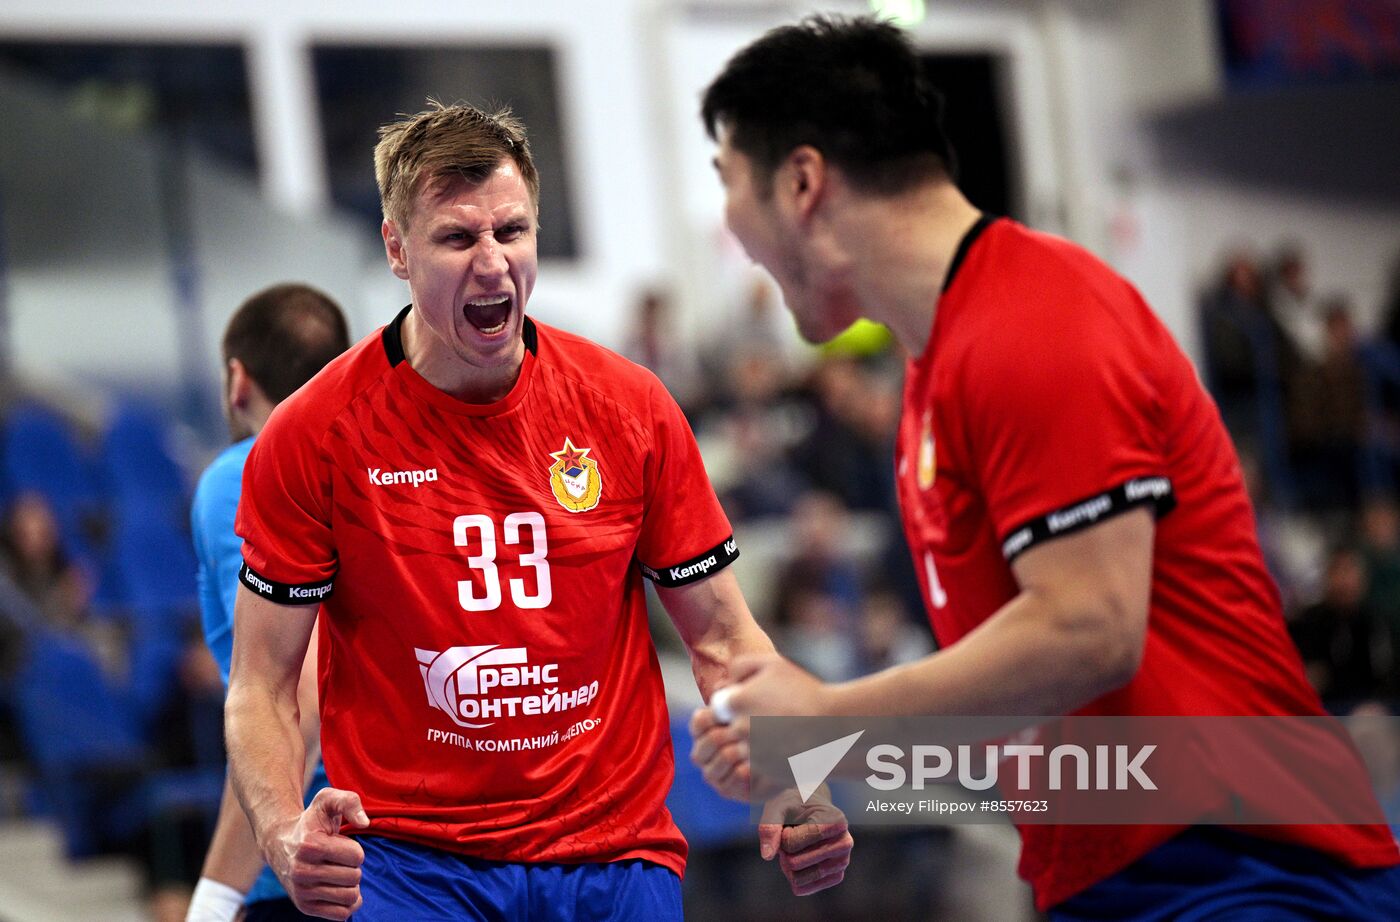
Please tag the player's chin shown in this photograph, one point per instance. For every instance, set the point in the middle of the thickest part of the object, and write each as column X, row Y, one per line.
column 817, row 329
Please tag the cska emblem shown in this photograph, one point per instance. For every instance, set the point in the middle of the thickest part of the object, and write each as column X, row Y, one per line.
column 575, row 479
column 928, row 458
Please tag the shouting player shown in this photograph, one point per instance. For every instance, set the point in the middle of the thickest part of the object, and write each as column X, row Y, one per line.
column 1073, row 504
column 274, row 343
column 472, row 499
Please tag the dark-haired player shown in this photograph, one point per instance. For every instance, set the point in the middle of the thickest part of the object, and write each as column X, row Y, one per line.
column 472, row 498
column 273, row 344
column 1072, row 502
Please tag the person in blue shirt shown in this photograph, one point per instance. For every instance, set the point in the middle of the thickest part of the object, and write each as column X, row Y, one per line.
column 275, row 342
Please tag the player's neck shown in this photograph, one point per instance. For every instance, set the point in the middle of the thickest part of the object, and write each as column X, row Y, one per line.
column 436, row 364
column 902, row 268
column 248, row 420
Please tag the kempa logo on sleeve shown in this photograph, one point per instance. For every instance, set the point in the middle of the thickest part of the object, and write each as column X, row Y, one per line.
column 257, row 582
column 383, row 478
column 309, row 592
column 703, row 566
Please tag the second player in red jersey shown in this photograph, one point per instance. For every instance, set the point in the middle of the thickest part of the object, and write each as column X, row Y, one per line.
column 1087, row 412
column 1074, row 508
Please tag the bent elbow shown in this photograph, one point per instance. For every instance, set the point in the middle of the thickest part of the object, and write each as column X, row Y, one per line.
column 1120, row 668
column 1121, row 655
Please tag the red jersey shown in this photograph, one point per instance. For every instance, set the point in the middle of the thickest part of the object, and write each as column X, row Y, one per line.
column 1048, row 399
column 488, row 683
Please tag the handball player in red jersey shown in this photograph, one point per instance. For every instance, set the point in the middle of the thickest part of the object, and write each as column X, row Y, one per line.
column 1072, row 502
column 471, row 500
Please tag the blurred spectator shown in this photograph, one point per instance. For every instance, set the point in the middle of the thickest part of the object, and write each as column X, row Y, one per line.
column 763, row 326
column 1270, row 526
column 1380, row 547
column 815, row 631
column 33, row 557
column 1291, row 300
column 1327, row 417
column 1338, row 636
column 850, row 450
column 887, row 635
column 654, row 344
column 767, row 485
column 818, row 592
column 33, row 554
column 1248, row 359
column 759, row 329
column 761, row 425
column 1229, row 317
column 1373, row 729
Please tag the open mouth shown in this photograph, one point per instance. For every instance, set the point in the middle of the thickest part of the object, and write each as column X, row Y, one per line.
column 488, row 314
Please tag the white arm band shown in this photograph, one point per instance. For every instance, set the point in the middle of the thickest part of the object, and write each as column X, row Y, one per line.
column 213, row 902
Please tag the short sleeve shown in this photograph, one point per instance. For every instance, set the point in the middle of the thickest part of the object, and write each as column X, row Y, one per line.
column 1063, row 431
column 217, row 551
column 284, row 517
column 685, row 535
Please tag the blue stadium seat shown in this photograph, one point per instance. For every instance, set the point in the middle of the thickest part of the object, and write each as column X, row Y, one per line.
column 153, row 561
column 80, row 735
column 136, row 462
column 93, row 765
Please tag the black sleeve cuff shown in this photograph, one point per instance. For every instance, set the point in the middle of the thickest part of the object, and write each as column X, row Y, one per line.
column 285, row 593
column 696, row 568
column 1078, row 515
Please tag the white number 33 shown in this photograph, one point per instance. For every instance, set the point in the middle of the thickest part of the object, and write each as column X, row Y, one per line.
column 478, row 532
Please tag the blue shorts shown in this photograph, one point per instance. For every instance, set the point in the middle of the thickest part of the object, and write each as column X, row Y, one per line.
column 1215, row 874
column 403, row 881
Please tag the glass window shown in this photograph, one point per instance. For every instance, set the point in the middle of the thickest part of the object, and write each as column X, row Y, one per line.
column 197, row 93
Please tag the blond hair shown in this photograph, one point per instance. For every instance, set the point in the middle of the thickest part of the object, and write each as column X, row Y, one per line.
column 443, row 142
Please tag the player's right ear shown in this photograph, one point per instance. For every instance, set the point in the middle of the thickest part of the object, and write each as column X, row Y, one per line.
column 393, row 248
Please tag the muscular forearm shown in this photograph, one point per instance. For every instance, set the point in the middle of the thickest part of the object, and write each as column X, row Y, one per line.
column 233, row 857
column 715, row 623
column 309, row 707
column 266, row 757
column 1030, row 658
column 710, row 661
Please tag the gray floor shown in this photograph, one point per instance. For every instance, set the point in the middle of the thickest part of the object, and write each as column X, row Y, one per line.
column 37, row 884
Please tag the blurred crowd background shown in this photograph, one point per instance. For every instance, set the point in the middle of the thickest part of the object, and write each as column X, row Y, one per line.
column 1235, row 159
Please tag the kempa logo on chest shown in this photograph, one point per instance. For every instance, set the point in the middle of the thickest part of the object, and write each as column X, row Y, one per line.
column 383, row 478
